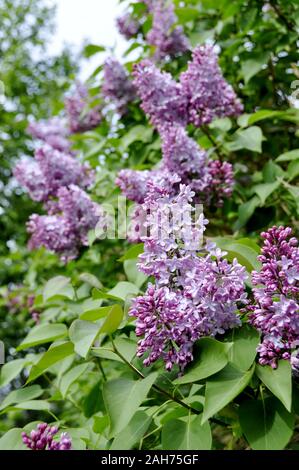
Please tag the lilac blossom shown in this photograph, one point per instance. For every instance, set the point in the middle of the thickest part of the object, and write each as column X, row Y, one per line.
column 275, row 311
column 117, row 86
column 169, row 40
column 53, row 132
column 79, row 211
column 209, row 96
column 193, row 295
column 54, row 233
column 50, row 171
column 128, row 26
column 220, row 183
column 60, row 169
column 81, row 116
column 42, row 438
column 162, row 98
column 30, row 176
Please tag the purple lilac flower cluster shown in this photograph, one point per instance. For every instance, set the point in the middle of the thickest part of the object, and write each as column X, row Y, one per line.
column 168, row 39
column 275, row 311
column 81, row 117
column 117, row 86
column 161, row 97
column 53, row 132
column 42, row 438
column 128, row 26
column 193, row 296
column 209, row 96
column 59, row 180
column 201, row 95
column 49, row 171
column 66, row 227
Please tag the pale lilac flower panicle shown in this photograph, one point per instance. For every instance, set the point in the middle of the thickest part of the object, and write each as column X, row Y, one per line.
column 80, row 212
column 182, row 155
column 54, row 233
column 169, row 40
column 53, row 132
column 80, row 116
column 117, row 86
column 42, row 438
column 209, row 95
column 275, row 312
column 194, row 295
column 29, row 175
column 128, row 26
column 60, row 169
column 162, row 99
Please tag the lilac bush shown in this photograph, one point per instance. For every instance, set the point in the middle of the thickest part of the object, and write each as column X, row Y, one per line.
column 53, row 132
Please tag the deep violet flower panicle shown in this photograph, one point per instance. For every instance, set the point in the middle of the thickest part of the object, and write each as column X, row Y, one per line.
column 42, row 438
column 193, row 296
column 81, row 116
column 275, row 311
column 117, row 86
column 162, row 98
column 168, row 39
column 209, row 96
column 53, row 132
column 127, row 25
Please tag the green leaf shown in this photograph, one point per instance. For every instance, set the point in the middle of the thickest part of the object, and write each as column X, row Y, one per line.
column 51, row 357
column 122, row 399
column 41, row 334
column 279, row 381
column 12, row 440
column 83, row 334
column 186, row 14
column 21, row 395
column 70, row 377
column 59, row 286
column 245, row 254
column 252, row 66
column 91, row 280
column 267, row 425
column 133, row 252
column 36, row 405
column 247, row 119
column 293, row 170
column 113, row 319
column 95, row 314
column 137, row 133
column 223, row 387
column 11, row 370
column 265, row 190
column 124, row 289
column 244, row 340
column 92, row 49
column 246, row 210
column 288, row 156
column 250, row 139
column 210, row 356
column 133, row 432
column 133, row 274
column 186, row 434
